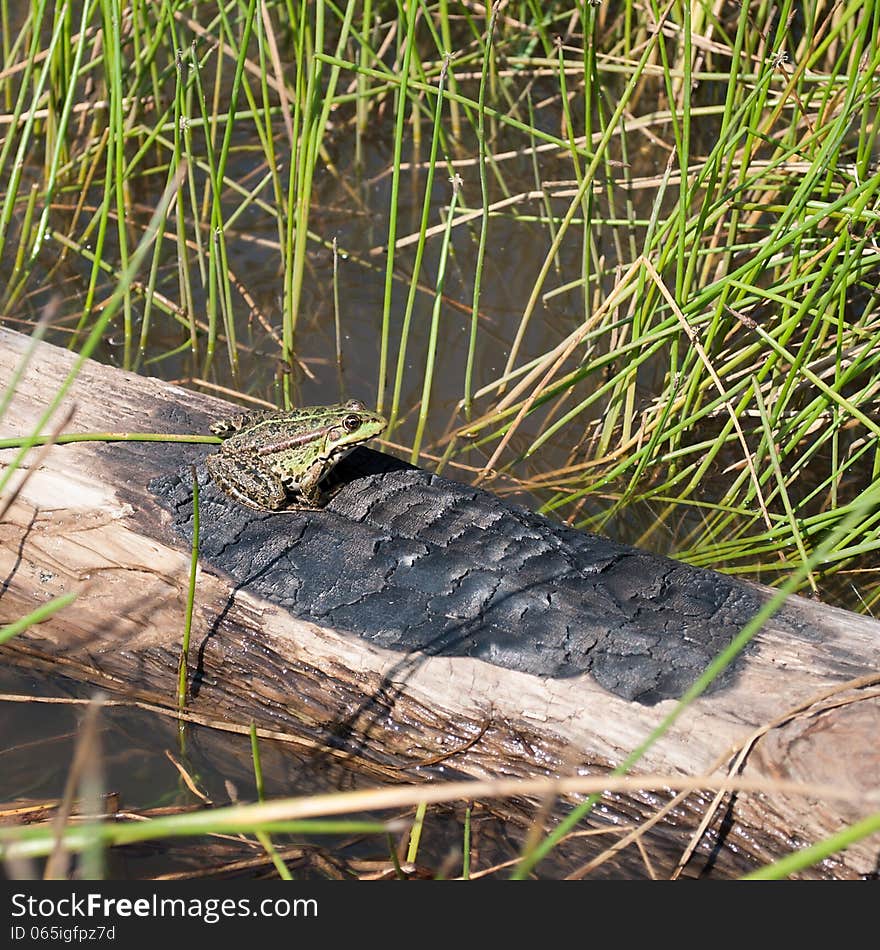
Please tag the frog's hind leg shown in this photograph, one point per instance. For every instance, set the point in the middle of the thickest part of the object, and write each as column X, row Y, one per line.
column 251, row 486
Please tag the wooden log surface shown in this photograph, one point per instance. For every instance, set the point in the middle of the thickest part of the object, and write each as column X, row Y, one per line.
column 416, row 620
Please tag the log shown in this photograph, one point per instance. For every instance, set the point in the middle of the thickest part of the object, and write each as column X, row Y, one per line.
column 422, row 627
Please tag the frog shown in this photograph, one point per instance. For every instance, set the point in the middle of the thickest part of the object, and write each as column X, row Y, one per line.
column 271, row 460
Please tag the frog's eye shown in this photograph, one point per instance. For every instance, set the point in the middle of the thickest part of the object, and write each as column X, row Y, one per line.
column 351, row 423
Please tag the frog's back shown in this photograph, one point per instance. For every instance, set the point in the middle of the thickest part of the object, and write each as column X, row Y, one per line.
column 256, row 428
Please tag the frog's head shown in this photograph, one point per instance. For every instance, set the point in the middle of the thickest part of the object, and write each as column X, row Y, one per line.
column 351, row 424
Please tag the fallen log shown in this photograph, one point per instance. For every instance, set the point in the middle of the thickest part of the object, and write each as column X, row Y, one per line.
column 416, row 624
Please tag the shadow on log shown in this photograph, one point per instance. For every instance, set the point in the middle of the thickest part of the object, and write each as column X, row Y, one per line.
column 416, row 625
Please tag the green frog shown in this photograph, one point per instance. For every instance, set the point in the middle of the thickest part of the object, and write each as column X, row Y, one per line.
column 275, row 459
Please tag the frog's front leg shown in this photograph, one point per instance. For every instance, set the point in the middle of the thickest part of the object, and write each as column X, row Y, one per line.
column 247, row 479
column 308, row 487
